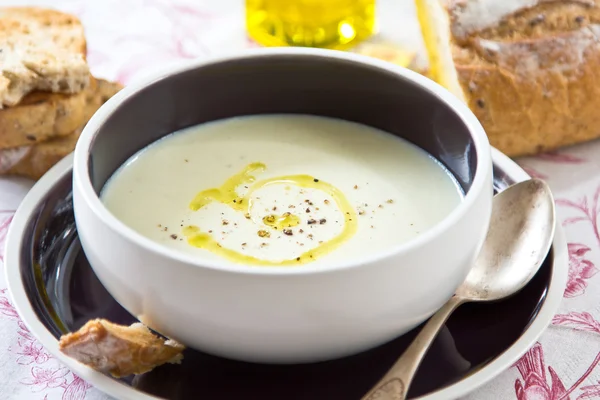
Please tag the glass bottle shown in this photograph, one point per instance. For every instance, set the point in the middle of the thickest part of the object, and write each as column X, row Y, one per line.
column 333, row 24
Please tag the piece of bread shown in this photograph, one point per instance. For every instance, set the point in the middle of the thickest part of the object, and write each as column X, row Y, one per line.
column 33, row 161
column 41, row 49
column 528, row 69
column 119, row 350
column 44, row 115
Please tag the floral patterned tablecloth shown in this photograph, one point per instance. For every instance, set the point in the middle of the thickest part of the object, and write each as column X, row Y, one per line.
column 129, row 38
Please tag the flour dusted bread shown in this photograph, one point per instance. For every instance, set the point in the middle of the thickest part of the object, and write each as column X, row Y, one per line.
column 528, row 69
column 41, row 49
column 49, row 146
column 119, row 350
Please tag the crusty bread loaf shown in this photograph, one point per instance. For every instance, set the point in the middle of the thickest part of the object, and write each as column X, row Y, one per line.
column 34, row 160
column 41, row 49
column 528, row 69
column 119, row 350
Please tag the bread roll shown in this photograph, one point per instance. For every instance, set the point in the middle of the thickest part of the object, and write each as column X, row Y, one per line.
column 528, row 69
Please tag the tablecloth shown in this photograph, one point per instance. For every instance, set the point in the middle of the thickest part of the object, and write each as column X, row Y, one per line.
column 127, row 39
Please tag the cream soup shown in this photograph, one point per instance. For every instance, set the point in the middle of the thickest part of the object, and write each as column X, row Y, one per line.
column 281, row 190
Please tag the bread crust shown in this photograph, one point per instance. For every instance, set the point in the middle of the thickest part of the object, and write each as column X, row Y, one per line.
column 533, row 79
column 33, row 161
column 119, row 350
column 43, row 115
column 468, row 17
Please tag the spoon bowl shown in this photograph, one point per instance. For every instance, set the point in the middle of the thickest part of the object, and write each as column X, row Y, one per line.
column 518, row 240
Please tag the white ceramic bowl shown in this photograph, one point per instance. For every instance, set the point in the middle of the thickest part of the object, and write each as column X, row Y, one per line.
column 272, row 314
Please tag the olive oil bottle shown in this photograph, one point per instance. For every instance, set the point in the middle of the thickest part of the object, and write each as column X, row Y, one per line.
column 333, row 24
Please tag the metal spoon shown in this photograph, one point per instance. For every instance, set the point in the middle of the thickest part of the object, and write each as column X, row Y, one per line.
column 519, row 238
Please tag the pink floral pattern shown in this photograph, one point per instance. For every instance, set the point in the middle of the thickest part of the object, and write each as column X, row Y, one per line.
column 5, row 220
column 41, row 379
column 535, row 384
column 45, row 373
column 590, row 392
column 44, row 378
column 76, row 389
column 6, row 308
column 30, row 352
column 555, row 157
column 561, row 157
column 580, row 270
column 582, row 321
column 587, row 210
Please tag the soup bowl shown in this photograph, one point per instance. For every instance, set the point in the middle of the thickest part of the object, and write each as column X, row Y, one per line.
column 284, row 314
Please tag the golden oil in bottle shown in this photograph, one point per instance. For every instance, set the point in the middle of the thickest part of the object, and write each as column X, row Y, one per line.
column 333, row 24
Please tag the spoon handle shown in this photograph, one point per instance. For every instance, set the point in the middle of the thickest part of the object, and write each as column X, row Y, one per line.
column 394, row 385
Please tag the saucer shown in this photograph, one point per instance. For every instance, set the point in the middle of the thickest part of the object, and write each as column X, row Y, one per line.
column 55, row 291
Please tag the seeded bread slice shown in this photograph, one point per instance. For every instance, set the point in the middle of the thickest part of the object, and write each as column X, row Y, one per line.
column 44, row 115
column 40, row 49
column 34, row 160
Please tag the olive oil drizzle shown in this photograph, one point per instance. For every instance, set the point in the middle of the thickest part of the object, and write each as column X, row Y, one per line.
column 227, row 194
column 286, row 220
